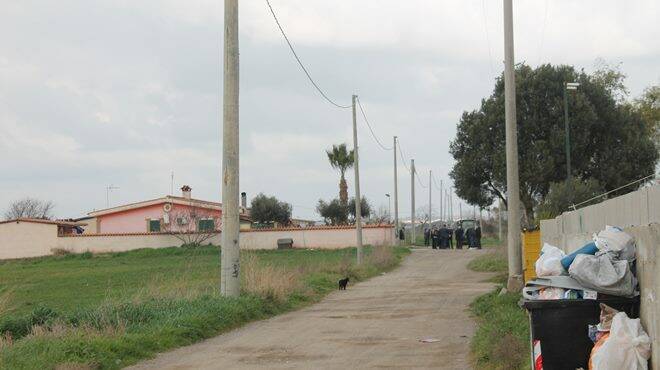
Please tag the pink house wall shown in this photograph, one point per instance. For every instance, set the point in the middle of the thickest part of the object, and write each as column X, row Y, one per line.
column 135, row 220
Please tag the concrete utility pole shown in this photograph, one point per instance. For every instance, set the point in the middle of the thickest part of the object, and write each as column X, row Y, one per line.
column 499, row 221
column 230, row 261
column 358, row 205
column 515, row 281
column 442, row 211
column 430, row 208
column 412, row 199
column 451, row 206
column 396, row 198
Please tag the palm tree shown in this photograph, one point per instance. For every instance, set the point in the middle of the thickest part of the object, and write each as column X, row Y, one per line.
column 341, row 159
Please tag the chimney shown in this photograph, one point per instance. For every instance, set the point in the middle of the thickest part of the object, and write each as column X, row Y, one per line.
column 185, row 191
column 244, row 200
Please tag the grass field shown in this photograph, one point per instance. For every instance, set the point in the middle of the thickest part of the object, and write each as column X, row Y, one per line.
column 111, row 310
column 501, row 340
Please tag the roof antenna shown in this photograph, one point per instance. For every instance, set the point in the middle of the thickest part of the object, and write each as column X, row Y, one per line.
column 107, row 194
column 172, row 183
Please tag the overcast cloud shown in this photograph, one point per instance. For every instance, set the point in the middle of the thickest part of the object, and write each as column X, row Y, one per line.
column 94, row 93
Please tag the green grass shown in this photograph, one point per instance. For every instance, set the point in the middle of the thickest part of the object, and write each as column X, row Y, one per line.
column 502, row 337
column 111, row 310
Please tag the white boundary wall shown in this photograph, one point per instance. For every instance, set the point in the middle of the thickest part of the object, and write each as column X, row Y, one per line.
column 639, row 214
column 24, row 240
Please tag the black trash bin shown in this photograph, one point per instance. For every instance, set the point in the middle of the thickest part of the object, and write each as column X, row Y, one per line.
column 561, row 327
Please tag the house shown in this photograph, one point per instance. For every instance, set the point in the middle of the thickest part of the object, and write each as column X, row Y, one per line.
column 167, row 214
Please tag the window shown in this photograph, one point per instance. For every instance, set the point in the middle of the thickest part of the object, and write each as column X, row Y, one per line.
column 206, row 225
column 154, row 226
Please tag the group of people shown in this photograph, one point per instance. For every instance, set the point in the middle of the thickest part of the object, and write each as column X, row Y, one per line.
column 443, row 237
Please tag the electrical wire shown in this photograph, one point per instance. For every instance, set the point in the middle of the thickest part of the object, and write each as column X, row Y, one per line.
column 435, row 182
column 371, row 129
column 302, row 66
column 490, row 55
column 403, row 158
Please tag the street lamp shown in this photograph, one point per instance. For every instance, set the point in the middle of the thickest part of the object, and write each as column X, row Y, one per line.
column 568, row 86
column 389, row 211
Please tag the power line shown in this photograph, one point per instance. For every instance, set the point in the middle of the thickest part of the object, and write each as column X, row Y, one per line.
column 403, row 158
column 371, row 129
column 490, row 55
column 302, row 66
column 435, row 182
column 419, row 181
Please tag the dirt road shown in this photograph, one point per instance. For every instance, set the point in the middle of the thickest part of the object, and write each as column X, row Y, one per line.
column 374, row 324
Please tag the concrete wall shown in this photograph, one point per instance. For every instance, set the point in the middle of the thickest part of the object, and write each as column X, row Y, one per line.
column 32, row 240
column 26, row 239
column 639, row 214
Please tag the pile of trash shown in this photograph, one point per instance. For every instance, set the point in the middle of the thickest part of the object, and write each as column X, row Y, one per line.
column 603, row 270
column 605, row 265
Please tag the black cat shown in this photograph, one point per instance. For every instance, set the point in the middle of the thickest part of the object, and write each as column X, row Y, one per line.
column 343, row 283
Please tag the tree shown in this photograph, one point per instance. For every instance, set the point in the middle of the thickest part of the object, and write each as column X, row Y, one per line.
column 607, row 140
column 30, row 208
column 341, row 159
column 558, row 198
column 267, row 209
column 333, row 212
column 190, row 225
column 648, row 106
column 365, row 209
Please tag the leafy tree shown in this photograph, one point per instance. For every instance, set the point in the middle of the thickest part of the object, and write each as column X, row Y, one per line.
column 30, row 208
column 365, row 209
column 607, row 137
column 558, row 199
column 267, row 209
column 648, row 105
column 333, row 212
column 341, row 159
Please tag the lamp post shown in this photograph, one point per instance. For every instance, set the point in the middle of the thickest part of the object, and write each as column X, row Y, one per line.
column 568, row 86
column 389, row 208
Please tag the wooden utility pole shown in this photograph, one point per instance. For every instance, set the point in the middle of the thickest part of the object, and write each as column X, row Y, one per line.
column 230, row 260
column 356, row 167
column 515, row 281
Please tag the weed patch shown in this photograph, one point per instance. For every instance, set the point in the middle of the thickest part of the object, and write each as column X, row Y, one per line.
column 109, row 311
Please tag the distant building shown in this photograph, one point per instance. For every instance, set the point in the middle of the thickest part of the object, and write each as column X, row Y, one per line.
column 167, row 214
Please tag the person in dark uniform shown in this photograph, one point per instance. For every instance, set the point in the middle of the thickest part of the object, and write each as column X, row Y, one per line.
column 459, row 237
column 427, row 236
column 444, row 237
column 471, row 236
column 434, row 237
column 402, row 236
column 477, row 237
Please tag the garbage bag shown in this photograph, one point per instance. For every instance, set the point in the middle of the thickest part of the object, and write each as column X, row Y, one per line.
column 613, row 239
column 549, row 262
column 604, row 274
column 627, row 347
column 589, row 248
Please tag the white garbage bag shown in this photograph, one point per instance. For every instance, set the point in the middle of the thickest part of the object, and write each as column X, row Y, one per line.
column 628, row 346
column 613, row 239
column 604, row 274
column 549, row 263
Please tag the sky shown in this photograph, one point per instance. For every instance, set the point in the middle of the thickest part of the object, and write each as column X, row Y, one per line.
column 96, row 93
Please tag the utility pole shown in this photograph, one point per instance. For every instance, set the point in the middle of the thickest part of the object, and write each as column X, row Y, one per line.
column 515, row 281
column 356, row 166
column 499, row 221
column 396, row 198
column 567, row 140
column 442, row 211
column 460, row 211
column 412, row 199
column 451, row 206
column 230, row 256
column 430, row 208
